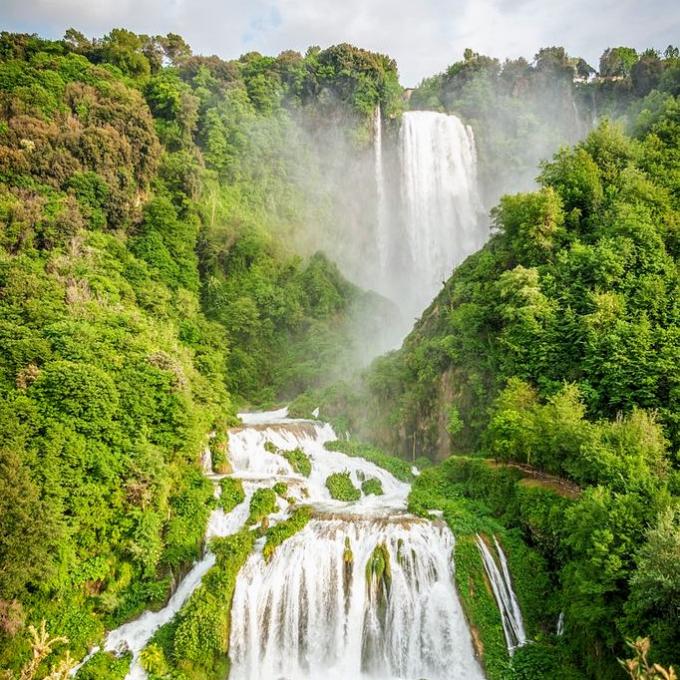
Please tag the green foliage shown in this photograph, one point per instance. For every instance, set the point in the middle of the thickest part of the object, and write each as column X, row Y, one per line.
column 232, row 493
column 281, row 489
column 299, row 461
column 397, row 467
column 341, row 487
column 281, row 531
column 196, row 642
column 105, row 666
column 372, row 486
column 262, row 503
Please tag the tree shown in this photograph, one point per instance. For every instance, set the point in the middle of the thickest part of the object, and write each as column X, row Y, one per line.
column 617, row 62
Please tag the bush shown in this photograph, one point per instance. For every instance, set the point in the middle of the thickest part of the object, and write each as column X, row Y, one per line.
column 283, row 530
column 341, row 488
column 372, row 486
column 299, row 461
column 232, row 493
column 262, row 503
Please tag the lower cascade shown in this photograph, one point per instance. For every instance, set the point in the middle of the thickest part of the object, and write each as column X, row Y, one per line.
column 328, row 605
column 364, row 591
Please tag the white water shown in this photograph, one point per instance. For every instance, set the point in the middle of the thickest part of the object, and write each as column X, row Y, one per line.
column 440, row 220
column 382, row 232
column 313, row 611
column 501, row 584
column 310, row 613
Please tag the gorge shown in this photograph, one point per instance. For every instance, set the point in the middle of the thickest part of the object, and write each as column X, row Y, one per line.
column 294, row 383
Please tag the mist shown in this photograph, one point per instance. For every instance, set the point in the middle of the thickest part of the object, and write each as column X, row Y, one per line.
column 397, row 202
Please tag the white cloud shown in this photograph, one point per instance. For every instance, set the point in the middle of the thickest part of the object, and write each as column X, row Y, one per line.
column 423, row 36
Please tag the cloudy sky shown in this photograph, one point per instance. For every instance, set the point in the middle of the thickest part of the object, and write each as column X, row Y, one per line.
column 424, row 36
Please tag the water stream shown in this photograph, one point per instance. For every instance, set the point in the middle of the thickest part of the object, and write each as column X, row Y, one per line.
column 365, row 591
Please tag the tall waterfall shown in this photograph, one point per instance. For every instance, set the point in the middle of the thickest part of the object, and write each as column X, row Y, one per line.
column 382, row 234
column 441, row 197
column 429, row 214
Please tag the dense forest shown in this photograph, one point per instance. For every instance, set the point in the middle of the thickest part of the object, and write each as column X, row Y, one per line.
column 159, row 218
column 147, row 289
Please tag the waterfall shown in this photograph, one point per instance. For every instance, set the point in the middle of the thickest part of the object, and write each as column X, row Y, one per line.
column 319, row 608
column 441, row 199
column 364, row 591
column 316, row 611
column 382, row 231
column 501, row 584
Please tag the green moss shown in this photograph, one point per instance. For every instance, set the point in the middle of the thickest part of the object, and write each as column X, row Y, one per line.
column 341, row 488
column 105, row 666
column 271, row 447
column 372, row 486
column 277, row 534
column 281, row 489
column 299, row 461
column 347, row 555
column 262, row 503
column 379, row 569
column 232, row 493
column 397, row 467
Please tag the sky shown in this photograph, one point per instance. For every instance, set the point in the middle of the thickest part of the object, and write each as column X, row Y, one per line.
column 424, row 36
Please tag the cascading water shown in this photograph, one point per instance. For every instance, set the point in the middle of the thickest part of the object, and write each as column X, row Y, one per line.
column 317, row 610
column 442, row 204
column 364, row 591
column 501, row 584
column 429, row 212
column 382, row 234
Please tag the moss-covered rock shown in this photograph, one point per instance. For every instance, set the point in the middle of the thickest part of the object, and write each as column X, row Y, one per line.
column 372, row 486
column 299, row 461
column 280, row 532
column 262, row 503
column 281, row 489
column 232, row 493
column 341, row 488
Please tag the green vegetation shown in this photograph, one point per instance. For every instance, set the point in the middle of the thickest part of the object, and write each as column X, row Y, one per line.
column 341, row 488
column 372, row 486
column 196, row 642
column 146, row 199
column 281, row 531
column 397, row 467
column 232, row 493
column 262, row 503
column 554, row 345
column 281, row 489
column 299, row 461
column 478, row 496
column 105, row 665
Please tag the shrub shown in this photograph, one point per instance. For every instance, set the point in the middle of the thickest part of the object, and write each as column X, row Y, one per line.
column 341, row 488
column 372, row 486
column 299, row 461
column 262, row 503
column 232, row 493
